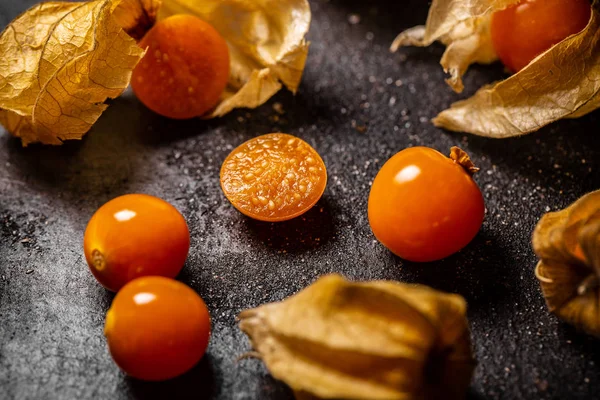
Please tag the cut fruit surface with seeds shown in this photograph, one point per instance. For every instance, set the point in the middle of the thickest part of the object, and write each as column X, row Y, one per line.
column 273, row 177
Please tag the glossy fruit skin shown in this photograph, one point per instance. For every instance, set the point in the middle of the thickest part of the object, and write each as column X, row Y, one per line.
column 185, row 69
column 423, row 206
column 273, row 177
column 157, row 328
column 523, row 31
column 135, row 235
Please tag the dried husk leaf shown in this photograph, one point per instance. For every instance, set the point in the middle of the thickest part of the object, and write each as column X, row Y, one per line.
column 464, row 27
column 375, row 340
column 136, row 17
column 591, row 105
column 445, row 15
column 266, row 41
column 60, row 62
column 568, row 245
column 563, row 82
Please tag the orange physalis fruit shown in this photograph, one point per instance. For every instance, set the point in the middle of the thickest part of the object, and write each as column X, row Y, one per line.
column 525, row 30
column 185, row 69
column 157, row 328
column 135, row 235
column 273, row 177
column 424, row 206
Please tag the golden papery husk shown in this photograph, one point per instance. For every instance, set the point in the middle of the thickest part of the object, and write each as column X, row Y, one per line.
column 562, row 82
column 374, row 340
column 62, row 60
column 568, row 245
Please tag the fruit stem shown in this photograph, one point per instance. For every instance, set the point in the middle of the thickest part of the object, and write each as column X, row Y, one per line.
column 460, row 157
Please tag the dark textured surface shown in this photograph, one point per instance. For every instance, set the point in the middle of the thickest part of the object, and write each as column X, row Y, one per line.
column 52, row 310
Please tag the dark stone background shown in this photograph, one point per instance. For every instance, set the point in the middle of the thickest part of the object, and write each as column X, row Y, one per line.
column 52, row 310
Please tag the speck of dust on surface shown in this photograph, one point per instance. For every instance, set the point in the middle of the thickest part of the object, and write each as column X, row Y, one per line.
column 51, row 342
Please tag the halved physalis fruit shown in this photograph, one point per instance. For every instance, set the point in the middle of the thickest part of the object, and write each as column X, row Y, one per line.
column 273, row 177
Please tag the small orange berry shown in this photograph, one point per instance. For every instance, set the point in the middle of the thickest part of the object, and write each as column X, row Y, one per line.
column 135, row 235
column 525, row 30
column 424, row 206
column 185, row 69
column 157, row 328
